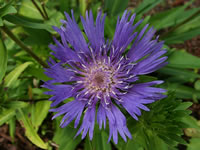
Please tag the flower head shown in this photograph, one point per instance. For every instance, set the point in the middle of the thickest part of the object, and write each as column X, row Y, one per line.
column 101, row 74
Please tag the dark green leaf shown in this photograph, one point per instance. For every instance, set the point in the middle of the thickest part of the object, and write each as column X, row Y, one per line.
column 14, row 104
column 64, row 137
column 3, row 59
column 100, row 140
column 182, row 74
column 22, row 21
column 181, row 37
column 114, row 7
column 146, row 5
column 183, row 91
column 38, row 73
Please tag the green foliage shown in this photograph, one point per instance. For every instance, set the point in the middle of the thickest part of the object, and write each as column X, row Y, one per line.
column 64, row 138
column 3, row 58
column 30, row 131
column 161, row 125
column 13, row 75
column 99, row 141
column 114, row 7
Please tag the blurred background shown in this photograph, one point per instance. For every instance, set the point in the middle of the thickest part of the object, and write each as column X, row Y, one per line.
column 26, row 32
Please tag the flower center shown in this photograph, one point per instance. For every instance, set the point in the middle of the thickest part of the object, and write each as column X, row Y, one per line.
column 99, row 79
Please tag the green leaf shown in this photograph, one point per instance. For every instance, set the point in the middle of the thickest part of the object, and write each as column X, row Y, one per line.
column 39, row 109
column 6, row 115
column 192, row 24
column 3, row 59
column 83, row 6
column 191, row 122
column 88, row 144
column 197, row 85
column 115, row 7
column 184, row 106
column 29, row 130
column 13, row 75
column 27, row 9
column 38, row 73
column 24, row 22
column 183, row 91
column 12, row 126
column 64, row 137
column 7, row 9
column 182, row 74
column 64, row 5
column 181, row 37
column 194, row 144
column 146, row 5
column 100, row 139
column 1, row 22
column 14, row 104
column 182, row 59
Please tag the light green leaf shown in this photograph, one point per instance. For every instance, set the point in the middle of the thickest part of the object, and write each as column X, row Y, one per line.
column 29, row 130
column 39, row 109
column 197, row 85
column 191, row 122
column 6, row 115
column 27, row 9
column 3, row 59
column 194, row 144
column 83, row 6
column 12, row 126
column 13, row 75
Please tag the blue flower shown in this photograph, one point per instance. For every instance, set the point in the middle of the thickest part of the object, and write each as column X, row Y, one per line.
column 101, row 75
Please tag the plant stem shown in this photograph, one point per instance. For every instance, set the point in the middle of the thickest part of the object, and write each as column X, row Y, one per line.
column 38, row 8
column 180, row 24
column 32, row 100
column 45, row 12
column 23, row 46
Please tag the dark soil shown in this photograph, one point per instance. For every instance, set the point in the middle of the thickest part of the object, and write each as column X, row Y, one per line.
column 20, row 142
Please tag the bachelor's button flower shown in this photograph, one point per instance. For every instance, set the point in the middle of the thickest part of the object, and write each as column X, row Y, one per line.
column 101, row 74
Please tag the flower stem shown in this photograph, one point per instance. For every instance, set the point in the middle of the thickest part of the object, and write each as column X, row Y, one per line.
column 38, row 8
column 44, row 10
column 23, row 46
column 180, row 24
